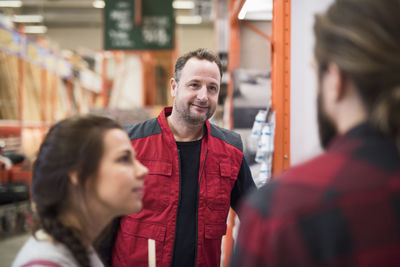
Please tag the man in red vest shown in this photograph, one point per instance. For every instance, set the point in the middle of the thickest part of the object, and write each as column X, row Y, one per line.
column 196, row 172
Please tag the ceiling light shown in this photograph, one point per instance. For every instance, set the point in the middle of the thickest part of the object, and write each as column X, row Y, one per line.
column 243, row 11
column 259, row 5
column 183, row 4
column 253, row 9
column 10, row 3
column 99, row 4
column 27, row 18
column 188, row 19
column 35, row 29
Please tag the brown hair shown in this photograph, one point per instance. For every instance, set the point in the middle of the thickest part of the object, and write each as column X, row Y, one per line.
column 200, row 53
column 74, row 144
column 363, row 38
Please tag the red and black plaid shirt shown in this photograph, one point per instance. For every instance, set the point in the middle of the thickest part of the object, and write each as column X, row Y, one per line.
column 339, row 209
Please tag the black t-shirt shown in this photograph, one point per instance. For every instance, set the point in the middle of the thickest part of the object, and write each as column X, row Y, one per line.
column 186, row 233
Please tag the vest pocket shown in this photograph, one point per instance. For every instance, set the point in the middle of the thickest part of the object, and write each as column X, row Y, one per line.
column 212, row 243
column 131, row 247
column 157, row 184
column 219, row 186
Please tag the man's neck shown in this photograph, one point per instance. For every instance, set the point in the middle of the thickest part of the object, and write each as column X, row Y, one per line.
column 350, row 113
column 184, row 132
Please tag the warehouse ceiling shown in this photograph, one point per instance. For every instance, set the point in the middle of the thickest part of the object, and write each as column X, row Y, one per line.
column 74, row 13
column 83, row 13
column 60, row 13
column 64, row 13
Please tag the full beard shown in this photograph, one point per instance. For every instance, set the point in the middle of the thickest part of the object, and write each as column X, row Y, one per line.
column 326, row 128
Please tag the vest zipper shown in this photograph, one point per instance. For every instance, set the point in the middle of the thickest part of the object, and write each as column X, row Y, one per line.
column 197, row 209
column 177, row 210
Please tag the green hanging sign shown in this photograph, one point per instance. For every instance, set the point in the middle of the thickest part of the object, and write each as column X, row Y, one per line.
column 152, row 29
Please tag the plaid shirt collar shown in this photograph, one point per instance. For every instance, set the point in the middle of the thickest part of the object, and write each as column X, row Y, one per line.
column 361, row 130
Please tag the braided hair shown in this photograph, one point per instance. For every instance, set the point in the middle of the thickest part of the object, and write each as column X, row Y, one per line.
column 74, row 144
column 66, row 236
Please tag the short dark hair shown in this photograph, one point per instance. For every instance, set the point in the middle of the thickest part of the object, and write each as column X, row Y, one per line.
column 201, row 53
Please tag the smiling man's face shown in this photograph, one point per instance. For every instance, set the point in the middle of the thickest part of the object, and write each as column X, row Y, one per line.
column 196, row 92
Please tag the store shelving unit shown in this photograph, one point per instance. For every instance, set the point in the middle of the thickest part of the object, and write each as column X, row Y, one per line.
column 280, row 82
column 280, row 86
column 37, row 88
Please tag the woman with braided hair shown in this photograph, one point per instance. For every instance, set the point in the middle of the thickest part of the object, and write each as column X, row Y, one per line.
column 86, row 173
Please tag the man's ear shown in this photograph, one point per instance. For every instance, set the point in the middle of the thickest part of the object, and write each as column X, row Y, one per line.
column 337, row 82
column 174, row 85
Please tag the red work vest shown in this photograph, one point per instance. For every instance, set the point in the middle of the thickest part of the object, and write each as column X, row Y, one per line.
column 155, row 146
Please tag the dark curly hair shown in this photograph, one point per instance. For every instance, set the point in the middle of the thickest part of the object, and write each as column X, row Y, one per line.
column 73, row 144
